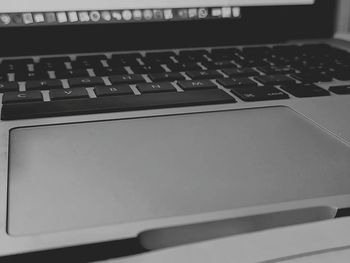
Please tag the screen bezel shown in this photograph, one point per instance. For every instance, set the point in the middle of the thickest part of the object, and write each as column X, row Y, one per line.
column 263, row 24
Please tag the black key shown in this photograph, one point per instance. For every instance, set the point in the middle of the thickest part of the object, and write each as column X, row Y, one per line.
column 91, row 58
column 43, row 84
column 255, row 52
column 127, row 79
column 4, row 77
column 67, row 74
column 74, row 93
column 186, row 56
column 240, row 72
column 259, row 93
column 17, row 97
column 313, row 76
column 192, row 55
column 54, row 60
column 343, row 89
column 274, row 80
column 29, row 75
column 114, row 104
column 8, row 86
column 156, row 61
column 10, row 65
column 85, row 82
column 24, row 61
column 162, row 54
column 155, row 87
column 343, row 74
column 204, row 74
column 50, row 66
column 195, row 52
column 305, row 90
column 251, row 62
column 287, row 50
column 124, row 59
column 239, row 82
column 144, row 69
column 271, row 70
column 168, row 76
column 196, row 84
column 183, row 66
column 225, row 51
column 159, row 57
column 110, row 71
column 113, row 90
column 86, row 64
column 218, row 64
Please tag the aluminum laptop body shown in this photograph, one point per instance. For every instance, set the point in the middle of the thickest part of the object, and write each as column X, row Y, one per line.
column 93, row 185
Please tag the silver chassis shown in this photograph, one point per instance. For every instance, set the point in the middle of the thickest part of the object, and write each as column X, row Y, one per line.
column 331, row 113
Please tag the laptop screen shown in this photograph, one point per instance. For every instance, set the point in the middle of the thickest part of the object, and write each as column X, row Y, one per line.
column 65, row 12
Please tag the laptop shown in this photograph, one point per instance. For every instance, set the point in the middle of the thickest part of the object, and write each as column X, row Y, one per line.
column 128, row 126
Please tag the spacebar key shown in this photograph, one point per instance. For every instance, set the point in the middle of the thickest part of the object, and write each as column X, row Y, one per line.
column 17, row 111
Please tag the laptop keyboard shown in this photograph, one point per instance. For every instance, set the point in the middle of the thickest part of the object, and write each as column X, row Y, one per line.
column 62, row 86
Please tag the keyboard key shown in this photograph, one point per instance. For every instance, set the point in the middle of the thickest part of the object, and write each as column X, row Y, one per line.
column 144, row 69
column 43, row 84
column 183, row 66
column 114, row 104
column 162, row 54
column 67, row 74
column 127, row 79
column 305, row 90
column 256, row 52
column 85, row 82
column 49, row 66
column 240, row 72
column 168, row 76
column 225, row 51
column 239, row 82
column 124, row 59
column 24, row 61
column 8, row 86
column 17, row 97
column 91, row 58
column 196, row 84
column 55, row 60
column 272, row 70
column 343, row 74
column 3, row 77
column 86, row 64
column 109, row 71
column 113, row 90
column 11, row 65
column 194, row 53
column 274, row 80
column 155, row 87
column 74, row 93
column 159, row 57
column 259, row 93
column 203, row 74
column 343, row 89
column 313, row 76
column 29, row 75
column 218, row 64
column 192, row 56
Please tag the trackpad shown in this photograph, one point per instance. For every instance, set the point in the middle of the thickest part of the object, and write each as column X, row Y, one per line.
column 74, row 176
